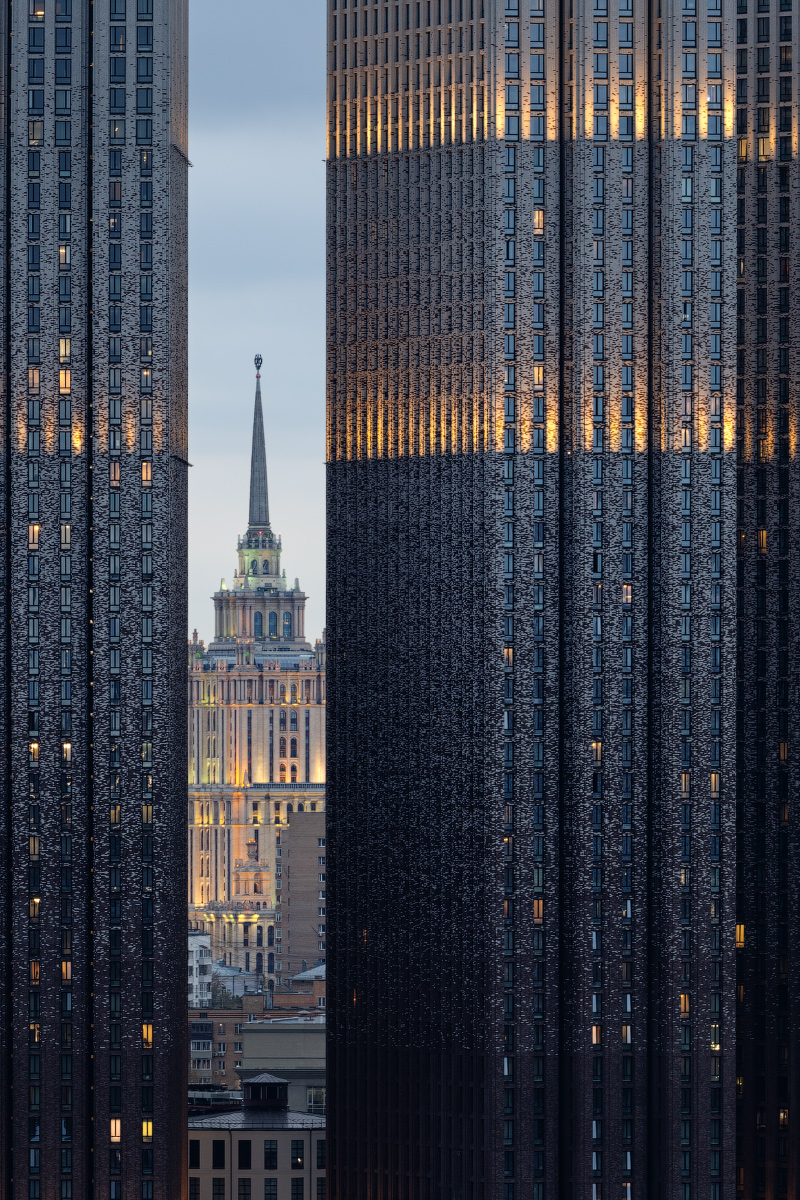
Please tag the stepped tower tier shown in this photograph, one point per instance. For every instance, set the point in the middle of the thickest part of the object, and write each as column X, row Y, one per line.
column 259, row 606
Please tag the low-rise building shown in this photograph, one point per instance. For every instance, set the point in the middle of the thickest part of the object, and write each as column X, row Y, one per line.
column 216, row 1033
column 262, row 1149
column 294, row 1049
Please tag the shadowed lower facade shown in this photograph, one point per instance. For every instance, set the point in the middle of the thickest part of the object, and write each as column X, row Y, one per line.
column 562, row 424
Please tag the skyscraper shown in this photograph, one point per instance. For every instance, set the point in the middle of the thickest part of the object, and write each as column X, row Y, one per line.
column 257, row 758
column 562, row 426
column 92, row 1081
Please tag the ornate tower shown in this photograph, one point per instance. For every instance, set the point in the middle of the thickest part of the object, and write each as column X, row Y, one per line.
column 256, row 755
column 260, row 606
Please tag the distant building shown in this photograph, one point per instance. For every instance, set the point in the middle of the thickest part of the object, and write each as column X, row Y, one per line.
column 216, row 1037
column 199, row 968
column 257, row 758
column 261, row 1149
column 304, row 905
column 234, row 980
column 293, row 1048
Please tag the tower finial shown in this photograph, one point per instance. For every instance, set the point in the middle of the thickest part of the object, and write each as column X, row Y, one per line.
column 259, row 500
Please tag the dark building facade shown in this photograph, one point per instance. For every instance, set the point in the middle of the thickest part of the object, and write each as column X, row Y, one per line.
column 562, row 447
column 93, row 716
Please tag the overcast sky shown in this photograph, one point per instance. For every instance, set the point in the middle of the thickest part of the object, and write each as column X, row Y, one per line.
column 256, row 285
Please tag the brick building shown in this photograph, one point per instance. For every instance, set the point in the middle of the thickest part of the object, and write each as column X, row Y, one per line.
column 216, row 1034
column 93, row 425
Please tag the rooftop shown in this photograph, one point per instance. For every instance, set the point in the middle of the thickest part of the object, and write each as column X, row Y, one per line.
column 258, row 1118
column 317, row 972
column 314, row 1019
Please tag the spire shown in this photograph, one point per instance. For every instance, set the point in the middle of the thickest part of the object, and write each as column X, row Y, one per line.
column 259, row 500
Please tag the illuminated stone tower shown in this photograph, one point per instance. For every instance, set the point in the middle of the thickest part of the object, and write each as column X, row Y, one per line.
column 257, row 756
column 93, row 501
column 562, row 425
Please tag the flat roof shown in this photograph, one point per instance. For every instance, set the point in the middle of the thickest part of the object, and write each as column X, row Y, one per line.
column 257, row 1118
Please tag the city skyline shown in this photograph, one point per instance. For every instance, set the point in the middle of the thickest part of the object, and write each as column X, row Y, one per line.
column 525, row 798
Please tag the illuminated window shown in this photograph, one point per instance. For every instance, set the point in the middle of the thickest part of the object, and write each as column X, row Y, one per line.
column 685, row 1004
column 64, row 381
column 739, row 937
column 116, row 1129
column 538, row 910
column 715, row 1037
column 597, row 1035
column 627, row 593
column 627, row 1033
column 66, row 972
column 147, row 1037
column 147, row 1130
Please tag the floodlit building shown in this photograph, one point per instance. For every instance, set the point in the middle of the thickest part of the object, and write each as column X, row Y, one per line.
column 257, row 759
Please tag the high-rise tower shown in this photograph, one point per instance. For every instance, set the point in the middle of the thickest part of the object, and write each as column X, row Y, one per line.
column 257, row 758
column 93, row 719
column 562, row 426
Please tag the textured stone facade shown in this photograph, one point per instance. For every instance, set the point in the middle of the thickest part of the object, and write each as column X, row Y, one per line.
column 559, row 760
column 93, row 1078
column 257, row 757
